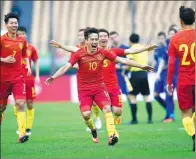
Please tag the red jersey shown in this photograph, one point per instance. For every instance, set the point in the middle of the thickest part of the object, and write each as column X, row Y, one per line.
column 16, row 48
column 109, row 69
column 182, row 46
column 89, row 74
column 32, row 56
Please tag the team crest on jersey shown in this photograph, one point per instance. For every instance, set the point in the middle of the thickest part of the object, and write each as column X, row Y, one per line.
column 99, row 57
column 21, row 46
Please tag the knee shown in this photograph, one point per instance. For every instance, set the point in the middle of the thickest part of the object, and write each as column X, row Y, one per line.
column 107, row 109
column 86, row 115
column 2, row 108
column 156, row 94
column 117, row 111
column 30, row 104
column 132, row 99
column 20, row 104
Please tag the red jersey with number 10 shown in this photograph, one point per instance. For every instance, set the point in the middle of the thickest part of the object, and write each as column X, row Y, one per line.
column 17, row 49
column 182, row 46
column 90, row 74
column 32, row 56
column 109, row 69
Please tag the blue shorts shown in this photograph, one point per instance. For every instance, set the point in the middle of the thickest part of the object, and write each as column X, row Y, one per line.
column 121, row 82
column 159, row 86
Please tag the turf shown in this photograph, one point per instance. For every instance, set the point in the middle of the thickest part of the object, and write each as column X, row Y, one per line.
column 59, row 132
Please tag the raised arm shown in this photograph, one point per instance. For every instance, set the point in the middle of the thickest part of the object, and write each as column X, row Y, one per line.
column 136, row 51
column 71, row 49
column 132, row 63
column 59, row 73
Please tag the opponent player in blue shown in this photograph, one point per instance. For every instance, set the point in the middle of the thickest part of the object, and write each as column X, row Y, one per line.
column 161, row 64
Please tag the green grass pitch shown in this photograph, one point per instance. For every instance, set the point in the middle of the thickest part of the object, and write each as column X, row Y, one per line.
column 59, row 132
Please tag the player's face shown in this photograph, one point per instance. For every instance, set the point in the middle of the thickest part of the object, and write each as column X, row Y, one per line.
column 114, row 39
column 81, row 38
column 92, row 42
column 12, row 25
column 171, row 34
column 21, row 34
column 103, row 39
column 161, row 40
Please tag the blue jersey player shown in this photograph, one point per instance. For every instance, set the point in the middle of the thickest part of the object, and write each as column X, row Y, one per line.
column 161, row 63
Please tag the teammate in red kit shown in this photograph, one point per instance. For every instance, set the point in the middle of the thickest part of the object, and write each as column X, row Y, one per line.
column 13, row 48
column 29, row 80
column 182, row 46
column 91, row 86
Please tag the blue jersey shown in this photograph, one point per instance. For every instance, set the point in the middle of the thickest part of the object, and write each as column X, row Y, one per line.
column 161, row 53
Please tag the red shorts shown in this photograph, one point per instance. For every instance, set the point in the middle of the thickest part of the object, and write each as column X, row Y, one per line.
column 115, row 96
column 30, row 89
column 99, row 96
column 186, row 96
column 16, row 87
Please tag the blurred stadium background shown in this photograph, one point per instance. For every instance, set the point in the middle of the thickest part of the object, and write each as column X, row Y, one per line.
column 60, row 20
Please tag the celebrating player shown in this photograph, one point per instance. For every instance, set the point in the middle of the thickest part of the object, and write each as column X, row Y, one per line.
column 91, row 85
column 182, row 46
column 29, row 81
column 13, row 48
column 95, row 108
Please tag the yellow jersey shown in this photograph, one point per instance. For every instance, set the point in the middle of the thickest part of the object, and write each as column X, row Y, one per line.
column 141, row 58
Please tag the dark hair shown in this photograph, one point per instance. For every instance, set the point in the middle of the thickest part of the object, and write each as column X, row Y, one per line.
column 88, row 31
column 187, row 15
column 10, row 15
column 161, row 34
column 22, row 28
column 105, row 31
column 113, row 32
column 172, row 29
column 134, row 38
column 80, row 30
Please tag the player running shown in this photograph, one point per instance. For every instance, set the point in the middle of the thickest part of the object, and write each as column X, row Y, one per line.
column 91, row 85
column 182, row 46
column 95, row 108
column 29, row 81
column 13, row 49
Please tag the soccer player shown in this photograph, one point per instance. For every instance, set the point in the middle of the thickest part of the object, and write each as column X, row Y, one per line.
column 139, row 81
column 91, row 85
column 161, row 60
column 95, row 108
column 182, row 46
column 29, row 81
column 116, row 43
column 13, row 48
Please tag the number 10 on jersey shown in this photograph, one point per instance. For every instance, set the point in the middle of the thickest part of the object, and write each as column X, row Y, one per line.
column 92, row 65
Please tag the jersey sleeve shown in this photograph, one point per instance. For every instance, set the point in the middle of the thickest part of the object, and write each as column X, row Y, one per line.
column 24, row 50
column 34, row 54
column 74, row 58
column 119, row 51
column 108, row 55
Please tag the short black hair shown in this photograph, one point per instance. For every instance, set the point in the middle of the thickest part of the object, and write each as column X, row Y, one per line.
column 10, row 15
column 161, row 34
column 80, row 30
column 187, row 15
column 89, row 31
column 105, row 31
column 134, row 38
column 172, row 29
column 113, row 32
column 22, row 28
